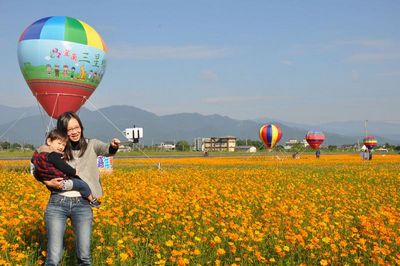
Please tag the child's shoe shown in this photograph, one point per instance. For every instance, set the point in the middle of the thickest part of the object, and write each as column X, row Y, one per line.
column 95, row 203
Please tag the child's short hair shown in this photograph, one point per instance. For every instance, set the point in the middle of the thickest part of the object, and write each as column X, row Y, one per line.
column 57, row 134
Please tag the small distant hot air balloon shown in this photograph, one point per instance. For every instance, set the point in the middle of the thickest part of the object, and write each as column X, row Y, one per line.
column 370, row 142
column 315, row 139
column 63, row 60
column 270, row 135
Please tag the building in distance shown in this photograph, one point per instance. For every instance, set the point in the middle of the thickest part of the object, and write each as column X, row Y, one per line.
column 227, row 143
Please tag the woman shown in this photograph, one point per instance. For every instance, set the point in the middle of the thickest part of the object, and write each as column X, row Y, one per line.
column 81, row 154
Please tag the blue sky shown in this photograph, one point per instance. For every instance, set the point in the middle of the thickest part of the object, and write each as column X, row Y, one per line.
column 299, row 61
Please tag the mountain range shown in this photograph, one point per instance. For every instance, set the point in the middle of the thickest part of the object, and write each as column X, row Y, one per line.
column 28, row 125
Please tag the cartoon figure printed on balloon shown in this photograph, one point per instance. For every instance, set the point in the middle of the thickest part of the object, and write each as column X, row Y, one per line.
column 90, row 76
column 94, row 77
column 48, row 68
column 82, row 74
column 56, row 55
column 56, row 71
column 65, row 71
column 72, row 72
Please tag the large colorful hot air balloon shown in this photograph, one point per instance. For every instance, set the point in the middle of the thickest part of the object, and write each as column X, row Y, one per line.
column 370, row 142
column 63, row 60
column 270, row 135
column 315, row 138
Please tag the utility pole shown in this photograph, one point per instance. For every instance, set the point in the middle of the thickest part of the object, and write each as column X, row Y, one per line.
column 365, row 126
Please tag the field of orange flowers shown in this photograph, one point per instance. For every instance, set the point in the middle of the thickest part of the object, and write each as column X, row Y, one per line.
column 258, row 210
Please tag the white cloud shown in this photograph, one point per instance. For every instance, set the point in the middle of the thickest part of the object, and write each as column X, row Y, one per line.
column 165, row 52
column 244, row 99
column 370, row 43
column 234, row 99
column 287, row 62
column 209, row 75
column 363, row 51
column 372, row 50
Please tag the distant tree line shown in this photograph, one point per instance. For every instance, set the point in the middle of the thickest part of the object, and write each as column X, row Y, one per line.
column 297, row 147
column 5, row 145
column 183, row 145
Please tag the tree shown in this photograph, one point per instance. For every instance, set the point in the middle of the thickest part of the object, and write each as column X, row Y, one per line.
column 332, row 147
column 15, row 146
column 297, row 147
column 182, row 145
column 5, row 145
column 279, row 148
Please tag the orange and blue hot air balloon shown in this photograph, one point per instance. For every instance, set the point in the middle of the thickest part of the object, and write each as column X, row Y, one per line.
column 270, row 135
column 370, row 142
column 63, row 60
column 315, row 138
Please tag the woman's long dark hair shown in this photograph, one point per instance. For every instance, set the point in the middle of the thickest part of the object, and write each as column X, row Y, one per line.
column 62, row 125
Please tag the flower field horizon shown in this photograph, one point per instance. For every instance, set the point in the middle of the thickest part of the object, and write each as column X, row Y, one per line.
column 255, row 210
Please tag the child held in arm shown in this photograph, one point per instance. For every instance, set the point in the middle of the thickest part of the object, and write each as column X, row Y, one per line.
column 49, row 164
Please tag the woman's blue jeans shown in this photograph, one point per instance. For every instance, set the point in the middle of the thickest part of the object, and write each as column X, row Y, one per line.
column 59, row 208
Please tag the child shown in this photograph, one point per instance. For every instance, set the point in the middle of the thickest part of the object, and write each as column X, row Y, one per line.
column 48, row 164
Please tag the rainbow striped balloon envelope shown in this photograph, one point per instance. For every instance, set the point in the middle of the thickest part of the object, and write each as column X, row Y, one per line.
column 370, row 142
column 270, row 135
column 315, row 138
column 63, row 60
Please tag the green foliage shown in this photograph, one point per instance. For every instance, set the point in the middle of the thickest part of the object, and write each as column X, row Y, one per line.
column 5, row 145
column 332, row 147
column 15, row 146
column 182, row 145
column 297, row 147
